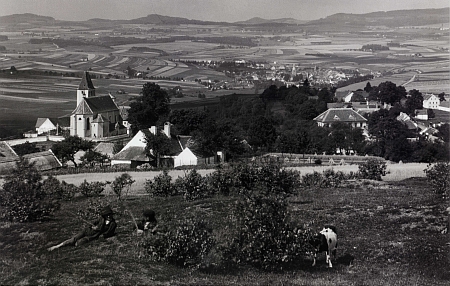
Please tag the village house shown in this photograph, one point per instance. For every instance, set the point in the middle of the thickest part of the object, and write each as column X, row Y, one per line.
column 181, row 151
column 346, row 115
column 431, row 101
column 95, row 116
column 47, row 125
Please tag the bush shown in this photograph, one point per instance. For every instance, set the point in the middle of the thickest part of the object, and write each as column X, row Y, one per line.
column 23, row 197
column 220, row 182
column 372, row 169
column 161, row 186
column 120, row 183
column 186, row 245
column 314, row 179
column 263, row 236
column 277, row 180
column 93, row 189
column 438, row 176
column 93, row 208
column 69, row 190
column 193, row 186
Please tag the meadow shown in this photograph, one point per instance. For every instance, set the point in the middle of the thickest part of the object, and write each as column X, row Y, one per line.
column 390, row 229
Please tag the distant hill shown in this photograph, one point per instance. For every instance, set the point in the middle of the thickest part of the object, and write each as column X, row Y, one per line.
column 25, row 18
column 398, row 18
column 167, row 20
column 261, row 21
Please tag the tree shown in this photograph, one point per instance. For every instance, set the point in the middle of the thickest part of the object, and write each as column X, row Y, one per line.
column 262, row 132
column 441, row 96
column 368, row 87
column 92, row 157
column 156, row 146
column 146, row 110
column 388, row 92
column 25, row 148
column 66, row 149
column 414, row 101
column 118, row 146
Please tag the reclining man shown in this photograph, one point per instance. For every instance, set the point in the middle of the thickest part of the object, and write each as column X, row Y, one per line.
column 105, row 225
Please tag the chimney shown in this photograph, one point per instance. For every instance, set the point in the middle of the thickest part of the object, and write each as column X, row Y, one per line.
column 167, row 129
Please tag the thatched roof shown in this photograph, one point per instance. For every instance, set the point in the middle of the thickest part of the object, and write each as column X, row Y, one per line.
column 43, row 161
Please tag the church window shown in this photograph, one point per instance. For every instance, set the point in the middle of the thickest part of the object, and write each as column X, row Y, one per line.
column 88, row 124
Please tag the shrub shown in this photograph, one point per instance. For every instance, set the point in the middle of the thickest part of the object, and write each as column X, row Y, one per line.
column 69, row 190
column 161, row 186
column 263, row 236
column 186, row 245
column 120, row 183
column 93, row 208
column 318, row 161
column 220, row 181
column 193, row 186
column 438, row 176
column 277, row 180
column 314, row 179
column 372, row 169
column 22, row 195
column 333, row 179
column 93, row 189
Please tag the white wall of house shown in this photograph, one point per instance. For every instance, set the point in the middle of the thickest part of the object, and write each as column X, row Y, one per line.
column 120, row 162
column 433, row 102
column 137, row 141
column 185, row 158
column 46, row 126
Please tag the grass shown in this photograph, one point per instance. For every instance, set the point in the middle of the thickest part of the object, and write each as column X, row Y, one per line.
column 392, row 230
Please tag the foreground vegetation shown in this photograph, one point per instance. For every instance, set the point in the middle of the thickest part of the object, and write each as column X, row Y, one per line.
column 389, row 232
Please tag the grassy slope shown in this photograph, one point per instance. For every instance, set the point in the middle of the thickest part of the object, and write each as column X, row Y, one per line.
column 392, row 230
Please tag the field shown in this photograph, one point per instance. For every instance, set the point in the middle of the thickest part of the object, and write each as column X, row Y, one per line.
column 390, row 228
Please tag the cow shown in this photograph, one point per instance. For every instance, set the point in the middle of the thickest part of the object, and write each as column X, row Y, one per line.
column 325, row 240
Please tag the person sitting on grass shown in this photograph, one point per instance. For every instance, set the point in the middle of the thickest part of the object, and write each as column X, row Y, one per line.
column 148, row 222
column 105, row 225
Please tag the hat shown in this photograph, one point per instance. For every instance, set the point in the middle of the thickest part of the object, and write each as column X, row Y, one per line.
column 148, row 213
column 106, row 211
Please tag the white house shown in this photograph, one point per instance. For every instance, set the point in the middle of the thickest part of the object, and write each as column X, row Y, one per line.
column 431, row 101
column 185, row 158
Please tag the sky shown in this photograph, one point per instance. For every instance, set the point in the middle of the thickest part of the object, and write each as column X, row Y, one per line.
column 207, row 10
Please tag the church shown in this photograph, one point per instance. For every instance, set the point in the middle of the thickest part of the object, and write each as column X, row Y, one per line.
column 95, row 117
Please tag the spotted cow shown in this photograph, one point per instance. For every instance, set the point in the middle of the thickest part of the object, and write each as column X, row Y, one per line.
column 325, row 240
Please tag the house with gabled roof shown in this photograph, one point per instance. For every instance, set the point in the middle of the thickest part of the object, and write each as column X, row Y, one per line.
column 95, row 116
column 346, row 115
column 43, row 161
column 46, row 125
column 181, row 150
column 430, row 101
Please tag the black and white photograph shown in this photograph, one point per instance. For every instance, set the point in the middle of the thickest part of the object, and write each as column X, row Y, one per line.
column 224, row 142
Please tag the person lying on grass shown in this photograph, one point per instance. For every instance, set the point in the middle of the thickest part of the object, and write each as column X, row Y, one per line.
column 148, row 222
column 105, row 225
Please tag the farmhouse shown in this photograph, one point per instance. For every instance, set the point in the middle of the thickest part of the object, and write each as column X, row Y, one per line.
column 95, row 116
column 181, row 151
column 346, row 115
column 431, row 101
column 42, row 161
column 47, row 125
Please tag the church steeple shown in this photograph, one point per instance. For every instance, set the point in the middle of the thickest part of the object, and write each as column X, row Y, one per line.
column 86, row 88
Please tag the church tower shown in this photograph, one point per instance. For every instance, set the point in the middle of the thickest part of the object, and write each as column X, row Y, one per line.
column 86, row 88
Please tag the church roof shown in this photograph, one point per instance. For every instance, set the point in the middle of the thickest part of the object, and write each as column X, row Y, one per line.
column 95, row 104
column 86, row 82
